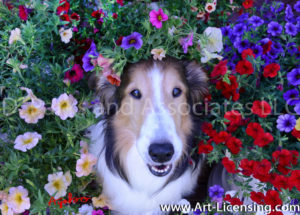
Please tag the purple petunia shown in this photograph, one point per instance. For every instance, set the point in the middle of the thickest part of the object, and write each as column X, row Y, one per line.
column 87, row 64
column 226, row 31
column 239, row 29
column 257, row 50
column 274, row 28
column 289, row 15
column 291, row 97
column 241, row 45
column 291, row 29
column 255, row 21
column 186, row 42
column 216, row 192
column 286, row 123
column 297, row 6
column 133, row 40
column 277, row 46
column 297, row 108
column 277, row 7
column 294, row 77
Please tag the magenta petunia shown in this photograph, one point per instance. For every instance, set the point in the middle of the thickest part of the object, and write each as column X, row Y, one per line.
column 186, row 42
column 157, row 17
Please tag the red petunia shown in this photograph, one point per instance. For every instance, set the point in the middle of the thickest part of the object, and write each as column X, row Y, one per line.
column 248, row 4
column 247, row 166
column 229, row 90
column 204, row 148
column 261, row 108
column 254, row 129
column 263, row 139
column 234, row 145
column 267, row 47
column 257, row 197
column 272, row 198
column 75, row 74
column 220, row 69
column 281, row 182
column 119, row 41
column 233, row 116
column 261, row 170
column 23, row 14
column 284, row 157
column 295, row 155
column 65, row 17
column 120, row 2
column 115, row 16
column 75, row 16
column 64, row 7
column 271, row 70
column 246, row 53
column 221, row 137
column 229, row 165
column 208, row 129
column 283, row 169
column 98, row 14
column 296, row 133
column 244, row 67
column 295, row 179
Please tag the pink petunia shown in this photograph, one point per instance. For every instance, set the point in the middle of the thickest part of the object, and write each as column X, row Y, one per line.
column 157, row 17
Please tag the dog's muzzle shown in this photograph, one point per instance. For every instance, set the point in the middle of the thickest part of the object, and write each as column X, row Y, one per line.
column 161, row 153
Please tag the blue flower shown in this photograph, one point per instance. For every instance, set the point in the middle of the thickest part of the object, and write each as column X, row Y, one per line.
column 291, row 97
column 297, row 108
column 291, row 29
column 255, row 21
column 273, row 53
column 277, row 7
column 216, row 191
column 257, row 50
column 286, row 123
column 239, row 29
column 297, row 6
column 133, row 40
column 274, row 28
column 277, row 46
column 243, row 17
column 294, row 77
column 289, row 15
column 241, row 45
column 226, row 31
column 87, row 64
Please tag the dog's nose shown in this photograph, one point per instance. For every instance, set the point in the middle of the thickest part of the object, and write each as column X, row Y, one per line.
column 161, row 152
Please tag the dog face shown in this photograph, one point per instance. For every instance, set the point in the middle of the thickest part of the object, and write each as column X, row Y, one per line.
column 154, row 112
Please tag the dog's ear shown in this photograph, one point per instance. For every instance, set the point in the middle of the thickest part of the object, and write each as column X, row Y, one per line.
column 197, row 81
column 105, row 92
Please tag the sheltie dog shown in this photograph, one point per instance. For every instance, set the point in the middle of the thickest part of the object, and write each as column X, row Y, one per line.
column 145, row 139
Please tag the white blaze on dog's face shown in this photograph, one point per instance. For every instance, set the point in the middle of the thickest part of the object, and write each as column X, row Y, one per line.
column 153, row 117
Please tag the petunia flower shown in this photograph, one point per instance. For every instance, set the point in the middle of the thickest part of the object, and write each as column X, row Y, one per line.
column 104, row 62
column 85, row 209
column 291, row 29
column 57, row 183
column 98, row 212
column 100, row 201
column 23, row 14
column 68, row 177
column 75, row 74
column 15, row 35
column 5, row 210
column 114, row 79
column 133, row 40
column 84, row 147
column 27, row 141
column 31, row 112
column 210, row 7
column 158, row 54
column 88, row 58
column 214, row 42
column 207, row 56
column 65, row 35
column 294, row 77
column 286, row 123
column 186, row 42
column 64, row 106
column 18, row 199
column 157, row 17
column 274, row 28
column 85, row 164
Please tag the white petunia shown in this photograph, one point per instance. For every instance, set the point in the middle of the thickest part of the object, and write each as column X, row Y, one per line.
column 210, row 7
column 158, row 54
column 65, row 35
column 31, row 112
column 207, row 56
column 68, row 177
column 57, row 184
column 27, row 141
column 86, row 209
column 5, row 210
column 214, row 43
column 64, row 106
column 15, row 35
column 85, row 164
column 18, row 199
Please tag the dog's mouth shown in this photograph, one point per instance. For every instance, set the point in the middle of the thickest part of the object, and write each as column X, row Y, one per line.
column 160, row 170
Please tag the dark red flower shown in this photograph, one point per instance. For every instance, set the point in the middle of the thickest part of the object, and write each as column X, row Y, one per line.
column 98, row 14
column 295, row 155
column 75, row 16
column 263, row 139
column 295, row 179
column 272, row 198
column 220, row 69
column 235, row 201
column 296, row 133
column 229, row 165
column 244, row 67
column 227, row 198
column 204, row 148
column 221, row 137
column 283, row 170
column 229, row 90
column 233, row 116
column 284, row 157
column 247, row 166
column 271, row 70
column 281, row 181
column 248, row 4
column 257, row 197
column 75, row 74
column 64, row 7
column 65, row 17
column 246, row 53
column 115, row 16
column 261, row 108
column 234, row 145
column 23, row 14
column 120, row 2
column 254, row 129
column 267, row 47
column 261, row 170
column 119, row 41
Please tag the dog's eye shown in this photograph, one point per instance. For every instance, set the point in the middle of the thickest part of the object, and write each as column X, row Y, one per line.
column 176, row 92
column 136, row 94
